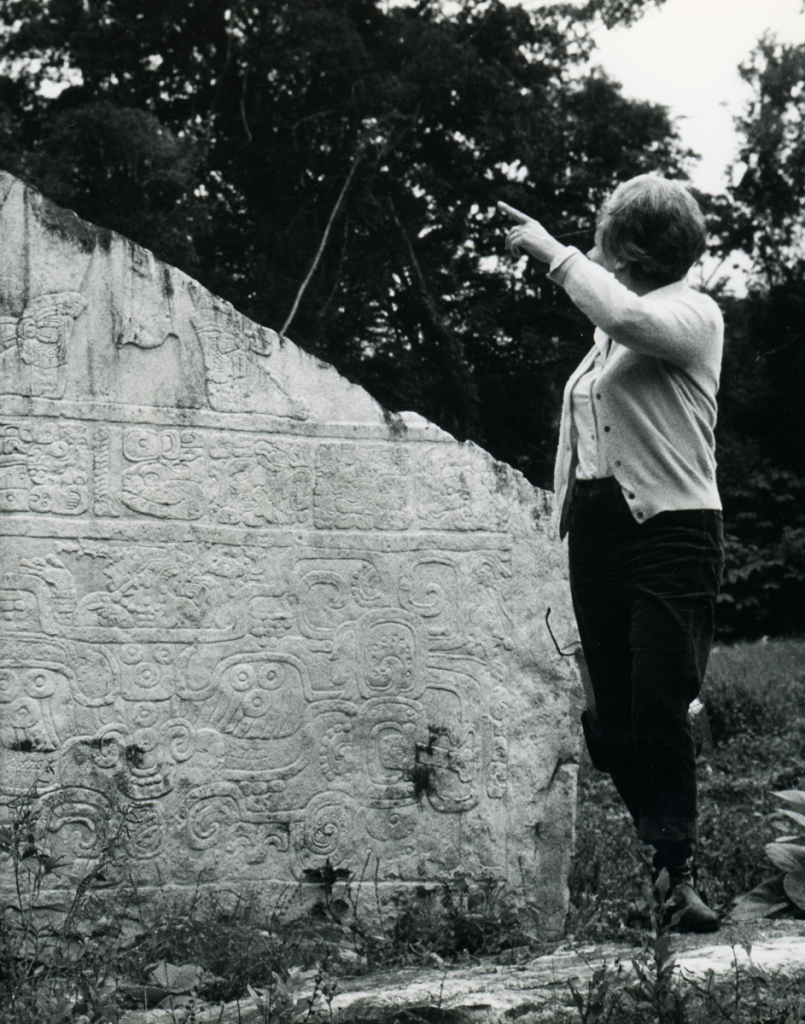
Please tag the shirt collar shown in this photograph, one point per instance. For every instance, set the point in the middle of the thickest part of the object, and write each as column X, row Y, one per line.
column 601, row 341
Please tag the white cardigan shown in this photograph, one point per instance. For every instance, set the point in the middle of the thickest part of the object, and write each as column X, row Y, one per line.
column 656, row 393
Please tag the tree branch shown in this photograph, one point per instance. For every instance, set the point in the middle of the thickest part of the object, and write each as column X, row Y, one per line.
column 303, row 287
column 459, row 368
column 243, row 117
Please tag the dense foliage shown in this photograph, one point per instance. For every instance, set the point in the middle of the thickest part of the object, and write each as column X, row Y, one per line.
column 762, row 428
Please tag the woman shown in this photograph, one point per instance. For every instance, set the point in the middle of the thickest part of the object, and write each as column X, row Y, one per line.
column 637, row 497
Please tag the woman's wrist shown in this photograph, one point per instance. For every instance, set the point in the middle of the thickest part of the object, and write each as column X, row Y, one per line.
column 561, row 262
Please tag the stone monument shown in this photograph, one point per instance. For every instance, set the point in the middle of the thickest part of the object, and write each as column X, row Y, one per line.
column 270, row 623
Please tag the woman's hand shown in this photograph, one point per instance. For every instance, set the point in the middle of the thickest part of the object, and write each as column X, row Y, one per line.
column 529, row 235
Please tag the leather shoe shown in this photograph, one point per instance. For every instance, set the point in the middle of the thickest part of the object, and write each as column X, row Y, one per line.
column 686, row 910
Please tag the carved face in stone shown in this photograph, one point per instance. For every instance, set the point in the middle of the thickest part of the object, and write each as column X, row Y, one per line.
column 44, row 328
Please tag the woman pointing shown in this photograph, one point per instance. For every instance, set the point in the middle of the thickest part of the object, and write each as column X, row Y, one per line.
column 636, row 491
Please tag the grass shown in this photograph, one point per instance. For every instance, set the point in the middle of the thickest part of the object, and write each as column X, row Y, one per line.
column 106, row 959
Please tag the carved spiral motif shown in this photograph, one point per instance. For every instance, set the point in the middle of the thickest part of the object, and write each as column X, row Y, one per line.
column 241, row 677
column 209, row 819
column 327, row 824
column 132, row 654
column 40, row 682
column 271, row 675
column 255, row 704
column 181, row 739
column 367, row 586
column 23, row 714
column 336, row 757
column 147, row 676
column 140, row 445
column 164, row 655
column 145, row 715
column 146, row 740
column 108, row 747
column 79, row 819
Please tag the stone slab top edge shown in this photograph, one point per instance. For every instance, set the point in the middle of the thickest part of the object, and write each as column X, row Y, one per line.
column 95, row 262
column 370, row 419
column 397, row 426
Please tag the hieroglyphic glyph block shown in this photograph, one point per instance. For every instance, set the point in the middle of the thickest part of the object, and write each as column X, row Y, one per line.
column 275, row 623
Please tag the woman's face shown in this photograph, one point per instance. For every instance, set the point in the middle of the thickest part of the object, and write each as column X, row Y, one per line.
column 598, row 253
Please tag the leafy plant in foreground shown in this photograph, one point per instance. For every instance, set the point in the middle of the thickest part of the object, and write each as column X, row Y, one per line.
column 650, row 990
column 787, row 854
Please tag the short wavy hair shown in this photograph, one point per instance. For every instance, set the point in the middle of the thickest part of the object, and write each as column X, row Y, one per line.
column 656, row 226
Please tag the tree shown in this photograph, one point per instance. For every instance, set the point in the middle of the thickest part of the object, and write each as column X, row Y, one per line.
column 762, row 415
column 768, row 194
column 224, row 135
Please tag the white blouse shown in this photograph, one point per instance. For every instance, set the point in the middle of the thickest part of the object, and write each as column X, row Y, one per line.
column 593, row 463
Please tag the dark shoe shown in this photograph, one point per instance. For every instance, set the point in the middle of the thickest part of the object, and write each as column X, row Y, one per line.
column 687, row 911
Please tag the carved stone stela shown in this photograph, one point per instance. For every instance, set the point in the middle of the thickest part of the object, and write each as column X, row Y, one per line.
column 275, row 623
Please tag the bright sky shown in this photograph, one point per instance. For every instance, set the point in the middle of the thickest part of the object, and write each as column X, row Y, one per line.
column 685, row 55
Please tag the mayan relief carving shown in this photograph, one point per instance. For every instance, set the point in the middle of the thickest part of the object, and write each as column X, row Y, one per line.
column 44, row 468
column 222, row 688
column 264, row 620
column 35, row 347
column 238, row 375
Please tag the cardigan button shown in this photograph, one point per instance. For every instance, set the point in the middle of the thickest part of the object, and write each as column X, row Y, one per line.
column 617, row 463
column 631, row 496
column 607, row 429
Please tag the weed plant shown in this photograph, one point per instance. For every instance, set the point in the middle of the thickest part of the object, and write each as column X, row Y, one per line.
column 651, row 988
column 465, row 917
column 55, row 960
column 218, row 932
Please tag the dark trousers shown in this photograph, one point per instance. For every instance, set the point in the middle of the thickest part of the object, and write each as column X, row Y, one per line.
column 644, row 596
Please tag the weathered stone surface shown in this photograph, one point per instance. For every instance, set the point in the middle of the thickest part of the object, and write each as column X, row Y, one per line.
column 275, row 622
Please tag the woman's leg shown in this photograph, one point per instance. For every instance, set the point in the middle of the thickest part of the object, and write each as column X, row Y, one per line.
column 673, row 578
column 644, row 597
column 601, row 528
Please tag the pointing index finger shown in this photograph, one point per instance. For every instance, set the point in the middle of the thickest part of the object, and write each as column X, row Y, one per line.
column 510, row 211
